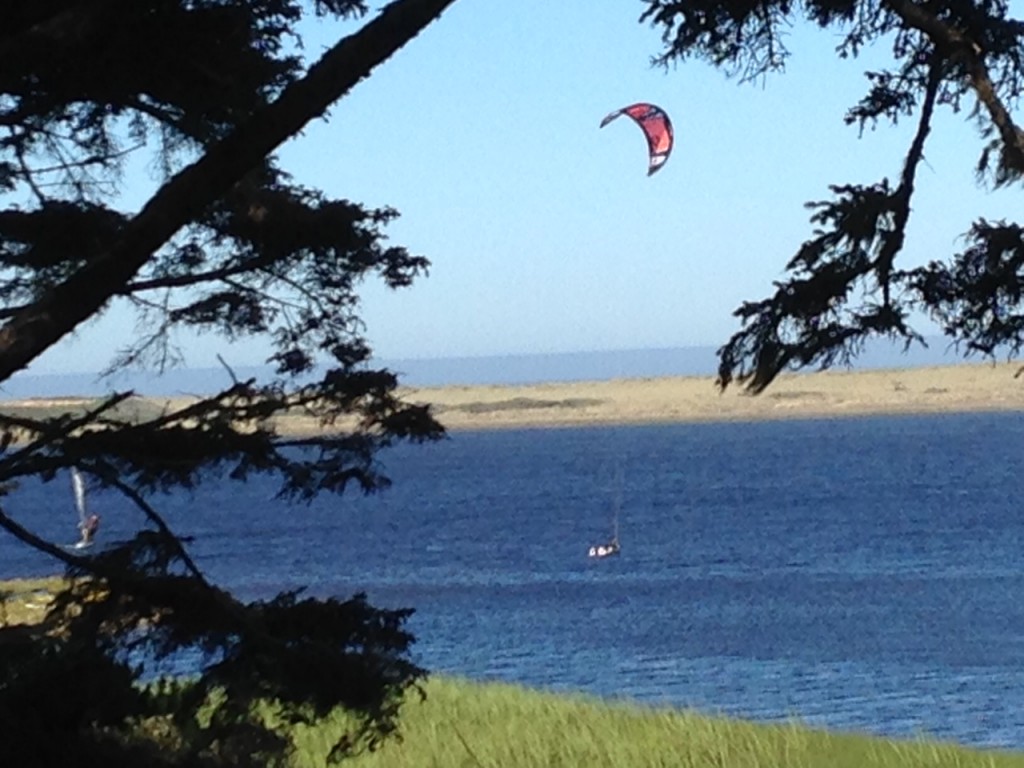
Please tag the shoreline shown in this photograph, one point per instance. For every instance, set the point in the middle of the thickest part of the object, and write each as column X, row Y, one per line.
column 695, row 399
column 961, row 388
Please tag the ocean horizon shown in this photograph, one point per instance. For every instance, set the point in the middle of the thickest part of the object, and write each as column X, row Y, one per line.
column 483, row 370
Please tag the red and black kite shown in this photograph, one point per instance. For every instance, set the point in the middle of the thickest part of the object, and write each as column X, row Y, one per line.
column 656, row 127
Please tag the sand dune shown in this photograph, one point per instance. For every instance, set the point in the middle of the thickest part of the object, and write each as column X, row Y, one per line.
column 683, row 399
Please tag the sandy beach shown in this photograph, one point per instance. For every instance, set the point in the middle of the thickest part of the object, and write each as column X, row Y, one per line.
column 830, row 394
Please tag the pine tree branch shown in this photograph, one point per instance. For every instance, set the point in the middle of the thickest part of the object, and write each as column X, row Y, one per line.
column 196, row 278
column 157, row 519
column 182, row 199
column 48, row 433
column 756, row 355
column 958, row 47
column 36, row 542
column 893, row 243
column 73, row 23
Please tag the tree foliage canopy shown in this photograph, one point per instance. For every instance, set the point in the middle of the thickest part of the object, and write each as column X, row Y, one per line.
column 845, row 283
column 205, row 90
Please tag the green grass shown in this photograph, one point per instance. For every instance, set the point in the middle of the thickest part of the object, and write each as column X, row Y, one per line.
column 490, row 725
column 493, row 725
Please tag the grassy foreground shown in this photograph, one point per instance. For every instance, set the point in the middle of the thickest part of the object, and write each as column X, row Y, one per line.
column 476, row 725
column 492, row 725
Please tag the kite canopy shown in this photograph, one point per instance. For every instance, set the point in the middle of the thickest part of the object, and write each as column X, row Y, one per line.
column 654, row 122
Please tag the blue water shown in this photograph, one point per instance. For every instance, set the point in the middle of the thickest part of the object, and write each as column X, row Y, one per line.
column 861, row 574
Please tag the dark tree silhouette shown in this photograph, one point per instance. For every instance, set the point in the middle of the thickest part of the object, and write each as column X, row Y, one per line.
column 207, row 89
column 844, row 284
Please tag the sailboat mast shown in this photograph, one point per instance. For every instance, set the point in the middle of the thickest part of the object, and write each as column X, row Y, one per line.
column 617, row 505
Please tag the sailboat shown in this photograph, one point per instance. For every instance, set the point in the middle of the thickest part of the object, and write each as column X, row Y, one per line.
column 612, row 547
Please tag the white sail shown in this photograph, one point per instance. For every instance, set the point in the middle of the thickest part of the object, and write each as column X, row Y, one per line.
column 78, row 485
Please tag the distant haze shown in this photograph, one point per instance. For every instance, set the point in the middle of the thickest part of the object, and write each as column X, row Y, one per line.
column 486, row 370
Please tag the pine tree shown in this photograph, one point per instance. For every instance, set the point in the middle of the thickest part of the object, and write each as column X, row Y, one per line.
column 206, row 90
column 844, row 285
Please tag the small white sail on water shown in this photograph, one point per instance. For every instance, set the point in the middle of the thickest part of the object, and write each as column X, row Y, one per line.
column 78, row 486
column 86, row 524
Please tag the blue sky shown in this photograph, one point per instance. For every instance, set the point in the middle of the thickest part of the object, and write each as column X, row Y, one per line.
column 545, row 233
